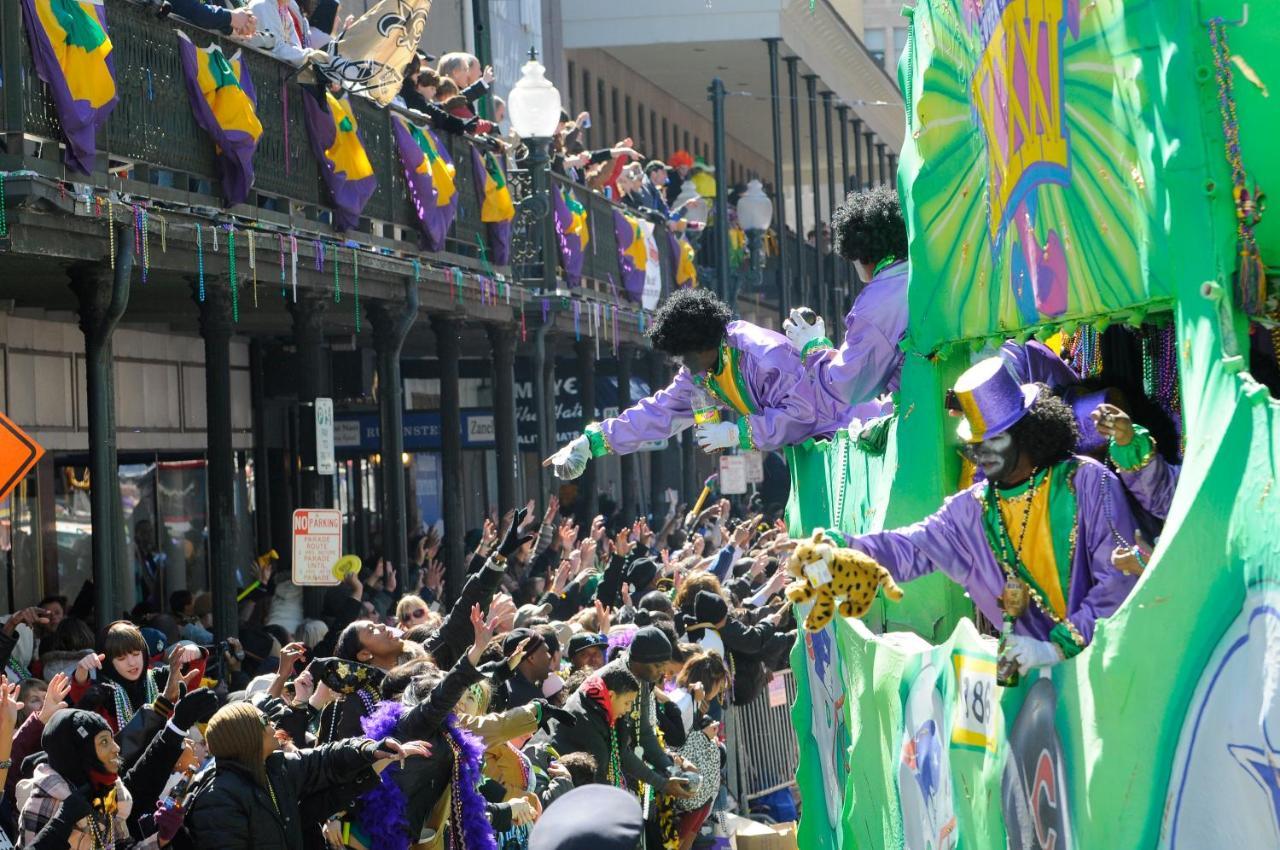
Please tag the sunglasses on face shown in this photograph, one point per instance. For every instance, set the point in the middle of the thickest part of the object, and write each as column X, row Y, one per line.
column 419, row 614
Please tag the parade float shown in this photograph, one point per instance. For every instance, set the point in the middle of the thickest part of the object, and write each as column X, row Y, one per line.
column 1089, row 174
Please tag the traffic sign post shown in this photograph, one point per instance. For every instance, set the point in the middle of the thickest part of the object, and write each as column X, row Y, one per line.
column 317, row 546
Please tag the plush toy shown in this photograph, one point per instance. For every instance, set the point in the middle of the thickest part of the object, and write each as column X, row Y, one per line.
column 826, row 575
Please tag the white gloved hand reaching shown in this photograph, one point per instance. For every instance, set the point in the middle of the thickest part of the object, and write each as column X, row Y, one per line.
column 571, row 460
column 716, row 435
column 800, row 331
column 1030, row 653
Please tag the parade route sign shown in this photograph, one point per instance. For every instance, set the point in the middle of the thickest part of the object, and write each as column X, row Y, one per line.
column 18, row 453
column 317, row 545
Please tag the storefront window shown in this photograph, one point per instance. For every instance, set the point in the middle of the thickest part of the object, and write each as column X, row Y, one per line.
column 20, row 545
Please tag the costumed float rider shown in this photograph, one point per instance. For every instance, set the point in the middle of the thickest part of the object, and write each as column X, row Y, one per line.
column 869, row 232
column 1043, row 516
column 751, row 370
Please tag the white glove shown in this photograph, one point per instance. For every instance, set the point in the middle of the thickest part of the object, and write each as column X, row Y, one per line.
column 1029, row 652
column 800, row 332
column 313, row 56
column 716, row 435
column 571, row 460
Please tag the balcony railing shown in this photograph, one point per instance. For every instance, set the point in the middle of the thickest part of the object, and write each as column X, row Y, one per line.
column 152, row 147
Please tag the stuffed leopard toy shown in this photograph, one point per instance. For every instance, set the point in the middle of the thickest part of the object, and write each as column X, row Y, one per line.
column 826, row 575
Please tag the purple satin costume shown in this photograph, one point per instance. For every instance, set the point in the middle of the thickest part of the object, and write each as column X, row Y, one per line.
column 952, row 541
column 782, row 394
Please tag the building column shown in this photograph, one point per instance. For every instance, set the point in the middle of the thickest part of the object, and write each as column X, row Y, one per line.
column 893, row 169
column 884, row 171
column 503, row 341
column 545, row 445
column 261, row 479
column 588, row 495
column 449, row 351
column 103, row 296
column 819, row 285
column 391, row 324
column 870, row 139
column 859, row 175
column 834, row 283
column 845, row 271
column 547, row 407
column 775, row 95
column 806, row 299
column 213, row 300
column 311, row 379
column 630, row 463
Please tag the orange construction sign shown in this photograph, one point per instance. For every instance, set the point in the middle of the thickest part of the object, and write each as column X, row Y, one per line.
column 18, row 453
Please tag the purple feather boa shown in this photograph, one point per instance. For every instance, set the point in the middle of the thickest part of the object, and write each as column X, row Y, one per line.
column 477, row 832
column 383, row 809
column 618, row 641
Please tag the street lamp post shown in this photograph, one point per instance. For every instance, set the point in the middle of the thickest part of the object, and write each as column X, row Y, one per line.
column 755, row 213
column 534, row 107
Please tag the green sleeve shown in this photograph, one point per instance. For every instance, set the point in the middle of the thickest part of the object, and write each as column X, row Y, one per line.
column 599, row 445
column 1137, row 454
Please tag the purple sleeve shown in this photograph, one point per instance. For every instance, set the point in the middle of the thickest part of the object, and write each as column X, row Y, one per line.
column 787, row 409
column 1103, row 514
column 1153, row 485
column 658, row 417
column 25, row 742
column 868, row 361
column 945, row 541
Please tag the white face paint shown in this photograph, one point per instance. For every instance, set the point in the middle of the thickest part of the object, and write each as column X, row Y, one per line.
column 863, row 270
column 996, row 457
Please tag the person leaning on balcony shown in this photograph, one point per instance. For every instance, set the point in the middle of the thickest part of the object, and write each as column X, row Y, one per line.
column 238, row 22
column 283, row 32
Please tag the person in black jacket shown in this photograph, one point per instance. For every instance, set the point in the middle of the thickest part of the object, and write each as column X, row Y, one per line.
column 250, row 798
column 604, row 699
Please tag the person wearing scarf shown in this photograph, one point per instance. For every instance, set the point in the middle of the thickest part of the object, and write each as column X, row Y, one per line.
column 597, row 708
column 126, row 681
column 252, row 798
column 75, row 798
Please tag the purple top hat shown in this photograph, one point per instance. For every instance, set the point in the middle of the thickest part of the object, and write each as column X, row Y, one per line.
column 991, row 399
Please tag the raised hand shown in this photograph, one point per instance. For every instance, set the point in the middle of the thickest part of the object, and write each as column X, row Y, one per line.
column 434, row 578
column 89, row 662
column 568, row 535
column 622, row 544
column 513, row 539
column 502, row 610
column 54, row 697
column 553, row 508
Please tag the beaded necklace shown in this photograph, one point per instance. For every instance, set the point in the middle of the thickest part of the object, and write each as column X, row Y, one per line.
column 104, row 835
column 1251, row 278
column 1010, row 560
column 123, row 707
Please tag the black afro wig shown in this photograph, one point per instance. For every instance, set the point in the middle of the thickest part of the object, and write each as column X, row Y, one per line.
column 869, row 226
column 689, row 321
column 1048, row 433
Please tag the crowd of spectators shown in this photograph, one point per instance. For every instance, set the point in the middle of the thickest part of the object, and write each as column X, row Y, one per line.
column 418, row 715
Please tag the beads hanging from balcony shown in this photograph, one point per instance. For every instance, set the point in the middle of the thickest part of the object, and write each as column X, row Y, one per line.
column 337, row 291
column 231, row 268
column 355, row 284
column 4, row 217
column 253, row 264
column 199, row 258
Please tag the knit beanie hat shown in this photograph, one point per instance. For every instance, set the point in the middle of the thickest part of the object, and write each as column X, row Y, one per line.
column 235, row 734
column 709, row 608
column 642, row 572
column 650, row 646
